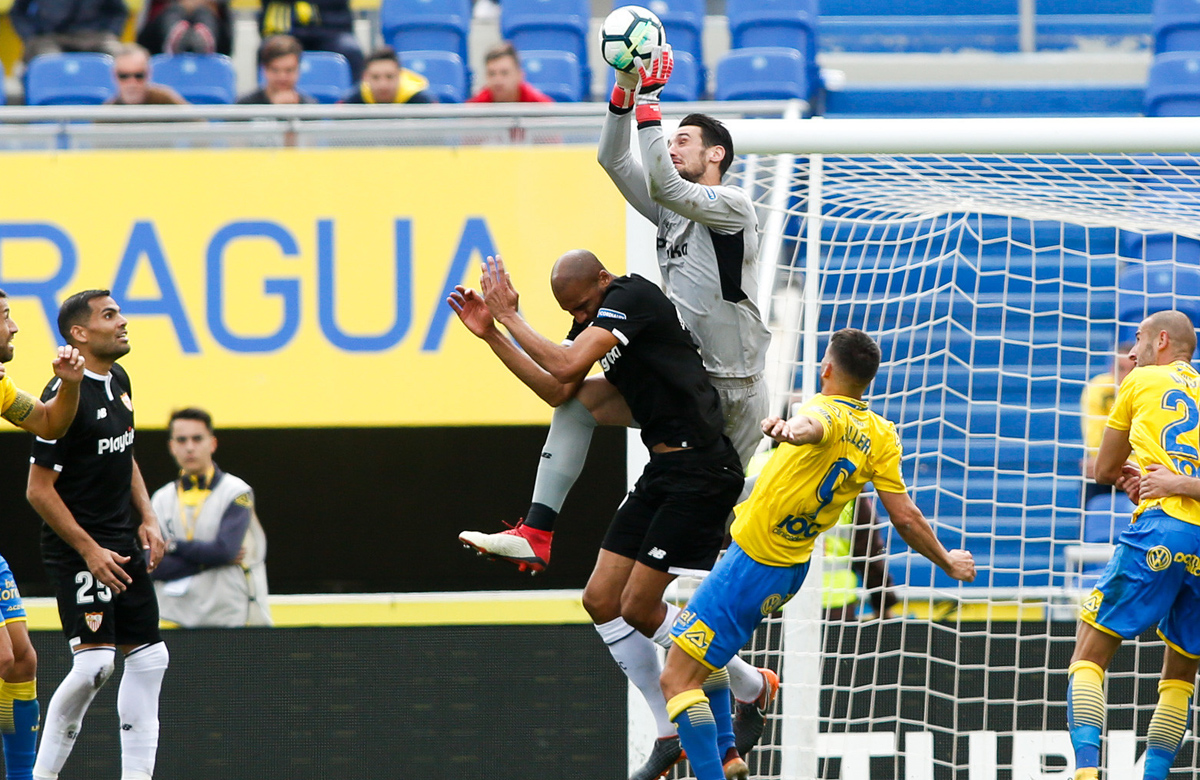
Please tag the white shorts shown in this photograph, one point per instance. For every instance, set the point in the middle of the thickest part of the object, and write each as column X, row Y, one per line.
column 744, row 402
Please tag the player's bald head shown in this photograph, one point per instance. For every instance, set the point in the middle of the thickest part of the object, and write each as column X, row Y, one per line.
column 579, row 266
column 1179, row 329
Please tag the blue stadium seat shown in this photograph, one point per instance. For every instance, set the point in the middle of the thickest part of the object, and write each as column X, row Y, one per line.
column 549, row 25
column 1144, row 288
column 1104, row 518
column 445, row 70
column 426, row 25
column 1161, row 246
column 325, row 75
column 69, row 80
column 198, row 78
column 1173, row 86
column 557, row 73
column 683, row 24
column 686, row 81
column 776, row 23
column 762, row 74
column 1176, row 26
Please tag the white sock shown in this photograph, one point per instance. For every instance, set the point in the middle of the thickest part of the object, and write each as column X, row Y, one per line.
column 638, row 658
column 745, row 681
column 662, row 636
column 90, row 669
column 137, row 706
column 563, row 454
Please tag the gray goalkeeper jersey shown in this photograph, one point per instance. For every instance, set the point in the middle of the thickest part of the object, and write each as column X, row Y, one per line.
column 707, row 248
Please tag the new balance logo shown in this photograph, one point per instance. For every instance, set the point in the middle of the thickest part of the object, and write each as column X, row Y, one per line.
column 547, row 455
column 101, row 413
column 657, row 554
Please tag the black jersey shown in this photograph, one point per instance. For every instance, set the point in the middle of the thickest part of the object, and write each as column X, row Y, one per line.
column 657, row 366
column 95, row 464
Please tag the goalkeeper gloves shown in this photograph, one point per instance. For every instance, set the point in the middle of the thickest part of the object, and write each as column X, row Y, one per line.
column 624, row 92
column 654, row 77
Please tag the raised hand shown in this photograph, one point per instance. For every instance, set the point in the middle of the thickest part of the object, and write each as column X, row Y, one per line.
column 68, row 365
column 961, row 566
column 471, row 310
column 778, row 429
column 655, row 73
column 497, row 288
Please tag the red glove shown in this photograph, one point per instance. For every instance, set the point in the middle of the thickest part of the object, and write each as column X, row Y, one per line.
column 654, row 77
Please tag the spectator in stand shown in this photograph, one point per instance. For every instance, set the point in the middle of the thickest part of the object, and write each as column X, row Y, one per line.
column 56, row 26
column 187, row 26
column 279, row 58
column 1097, row 401
column 131, row 69
column 385, row 81
column 505, row 80
column 319, row 25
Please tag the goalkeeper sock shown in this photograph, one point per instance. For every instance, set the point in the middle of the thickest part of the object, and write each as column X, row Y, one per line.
column 562, row 460
column 1085, row 713
column 697, row 733
column 716, row 688
column 1167, row 727
column 19, row 727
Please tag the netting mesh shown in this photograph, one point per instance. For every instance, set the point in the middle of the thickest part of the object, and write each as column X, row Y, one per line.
column 997, row 286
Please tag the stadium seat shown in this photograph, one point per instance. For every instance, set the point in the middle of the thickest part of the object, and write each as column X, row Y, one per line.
column 325, row 75
column 557, row 73
column 683, row 24
column 426, row 25
column 69, row 80
column 198, row 78
column 549, row 25
column 762, row 74
column 777, row 23
column 445, row 70
column 1173, row 86
column 1176, row 26
column 687, row 82
column 1104, row 518
column 1143, row 288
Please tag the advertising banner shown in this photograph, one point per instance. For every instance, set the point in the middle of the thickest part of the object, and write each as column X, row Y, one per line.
column 301, row 287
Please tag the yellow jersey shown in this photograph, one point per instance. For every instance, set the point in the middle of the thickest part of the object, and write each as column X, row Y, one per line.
column 803, row 489
column 1097, row 403
column 1160, row 407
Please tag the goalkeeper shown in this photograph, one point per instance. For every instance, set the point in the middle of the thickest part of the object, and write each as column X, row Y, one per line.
column 708, row 258
column 831, row 449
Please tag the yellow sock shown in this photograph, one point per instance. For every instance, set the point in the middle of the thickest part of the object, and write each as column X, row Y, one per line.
column 9, row 691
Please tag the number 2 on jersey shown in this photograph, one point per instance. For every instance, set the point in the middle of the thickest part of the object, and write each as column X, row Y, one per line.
column 86, row 581
column 1184, row 456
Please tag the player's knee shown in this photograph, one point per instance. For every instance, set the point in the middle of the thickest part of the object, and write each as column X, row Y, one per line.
column 7, row 663
column 95, row 664
column 642, row 614
column 24, row 663
column 601, row 605
column 148, row 658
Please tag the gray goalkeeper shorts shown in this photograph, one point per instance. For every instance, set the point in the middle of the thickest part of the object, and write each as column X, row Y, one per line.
column 744, row 402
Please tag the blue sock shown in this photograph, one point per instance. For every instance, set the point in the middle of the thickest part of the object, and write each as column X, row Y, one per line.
column 716, row 688
column 20, row 743
column 697, row 733
column 1085, row 712
column 1167, row 727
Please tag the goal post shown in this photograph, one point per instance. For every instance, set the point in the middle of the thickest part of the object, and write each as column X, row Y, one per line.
column 999, row 263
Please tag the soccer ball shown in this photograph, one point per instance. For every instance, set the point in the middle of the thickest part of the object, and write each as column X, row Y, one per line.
column 628, row 33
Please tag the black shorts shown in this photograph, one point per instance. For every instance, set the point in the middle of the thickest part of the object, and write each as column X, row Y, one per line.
column 674, row 518
column 92, row 614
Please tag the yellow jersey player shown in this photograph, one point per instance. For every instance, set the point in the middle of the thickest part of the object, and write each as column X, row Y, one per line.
column 832, row 448
column 18, row 662
column 1154, row 575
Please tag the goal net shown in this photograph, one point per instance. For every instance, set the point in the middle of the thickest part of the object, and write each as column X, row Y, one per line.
column 997, row 284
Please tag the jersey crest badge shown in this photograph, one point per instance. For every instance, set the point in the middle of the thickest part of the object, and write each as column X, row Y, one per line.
column 93, row 620
column 125, row 399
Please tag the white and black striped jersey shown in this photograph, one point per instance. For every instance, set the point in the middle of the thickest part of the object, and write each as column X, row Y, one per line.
column 94, row 459
column 707, row 248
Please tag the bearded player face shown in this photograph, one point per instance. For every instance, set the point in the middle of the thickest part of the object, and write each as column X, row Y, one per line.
column 107, row 337
column 8, row 329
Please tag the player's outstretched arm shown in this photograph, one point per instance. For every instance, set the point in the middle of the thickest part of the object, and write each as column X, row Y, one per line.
column 613, row 152
column 105, row 565
column 915, row 530
column 800, row 429
column 473, row 313
column 51, row 419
